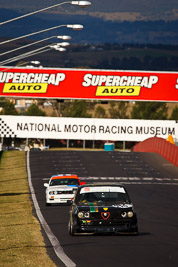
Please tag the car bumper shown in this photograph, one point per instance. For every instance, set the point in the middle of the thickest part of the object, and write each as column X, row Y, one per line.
column 126, row 228
column 107, row 229
column 58, row 200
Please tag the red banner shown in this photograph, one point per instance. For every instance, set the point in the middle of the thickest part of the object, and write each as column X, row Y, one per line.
column 89, row 84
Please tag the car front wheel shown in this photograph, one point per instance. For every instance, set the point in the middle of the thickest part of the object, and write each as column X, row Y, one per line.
column 71, row 228
column 135, row 231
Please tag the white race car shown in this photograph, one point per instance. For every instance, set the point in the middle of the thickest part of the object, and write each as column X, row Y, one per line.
column 61, row 188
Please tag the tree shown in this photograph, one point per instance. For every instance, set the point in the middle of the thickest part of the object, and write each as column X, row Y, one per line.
column 34, row 110
column 119, row 110
column 174, row 115
column 75, row 109
column 9, row 108
column 100, row 112
column 149, row 111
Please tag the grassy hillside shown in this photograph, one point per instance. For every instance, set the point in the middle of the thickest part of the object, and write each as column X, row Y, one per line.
column 128, row 58
column 21, row 243
column 160, row 9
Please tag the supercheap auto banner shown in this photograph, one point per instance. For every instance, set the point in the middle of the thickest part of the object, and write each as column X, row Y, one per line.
column 85, row 128
column 88, row 84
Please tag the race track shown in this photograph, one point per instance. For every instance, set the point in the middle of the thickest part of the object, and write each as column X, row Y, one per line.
column 152, row 183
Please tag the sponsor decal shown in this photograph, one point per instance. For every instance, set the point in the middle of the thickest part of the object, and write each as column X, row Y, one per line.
column 122, row 206
column 112, row 85
column 86, row 189
column 96, row 207
column 105, row 215
column 118, row 91
column 89, row 84
column 17, row 82
column 176, row 84
column 92, row 207
column 27, row 88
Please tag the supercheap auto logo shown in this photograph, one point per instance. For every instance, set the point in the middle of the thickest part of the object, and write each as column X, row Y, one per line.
column 112, row 85
column 29, row 82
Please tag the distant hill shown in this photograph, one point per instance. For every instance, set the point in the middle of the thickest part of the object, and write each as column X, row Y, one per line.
column 96, row 29
column 108, row 10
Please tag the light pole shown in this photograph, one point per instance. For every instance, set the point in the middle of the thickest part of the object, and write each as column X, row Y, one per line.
column 60, row 49
column 72, row 26
column 21, row 64
column 76, row 3
column 32, row 53
column 63, row 37
column 35, row 62
column 38, row 50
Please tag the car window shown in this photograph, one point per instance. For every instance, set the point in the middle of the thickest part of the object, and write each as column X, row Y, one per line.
column 65, row 181
column 102, row 197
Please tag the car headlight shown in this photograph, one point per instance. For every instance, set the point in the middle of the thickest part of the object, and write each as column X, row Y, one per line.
column 87, row 215
column 74, row 190
column 52, row 192
column 130, row 214
column 80, row 215
column 124, row 214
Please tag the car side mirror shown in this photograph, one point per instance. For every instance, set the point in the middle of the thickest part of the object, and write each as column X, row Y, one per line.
column 82, row 183
column 46, row 184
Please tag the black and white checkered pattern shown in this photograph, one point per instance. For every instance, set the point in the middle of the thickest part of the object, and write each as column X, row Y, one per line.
column 5, row 130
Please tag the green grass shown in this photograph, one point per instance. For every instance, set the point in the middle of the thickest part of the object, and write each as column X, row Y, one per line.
column 21, row 241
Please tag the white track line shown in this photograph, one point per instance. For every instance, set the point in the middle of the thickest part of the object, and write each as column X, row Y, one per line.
column 54, row 241
column 140, row 180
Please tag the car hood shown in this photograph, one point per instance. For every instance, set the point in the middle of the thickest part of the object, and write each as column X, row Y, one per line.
column 111, row 207
column 62, row 187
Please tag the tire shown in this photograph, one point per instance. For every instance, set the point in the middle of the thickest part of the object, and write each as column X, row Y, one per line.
column 135, row 231
column 48, row 204
column 71, row 228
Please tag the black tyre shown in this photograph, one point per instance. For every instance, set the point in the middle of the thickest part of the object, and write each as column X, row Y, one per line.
column 71, row 228
column 135, row 231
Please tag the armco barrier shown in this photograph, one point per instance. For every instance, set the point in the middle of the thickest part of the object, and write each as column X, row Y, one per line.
column 161, row 146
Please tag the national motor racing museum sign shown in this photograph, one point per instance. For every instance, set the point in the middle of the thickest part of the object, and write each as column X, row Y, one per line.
column 85, row 128
column 88, row 84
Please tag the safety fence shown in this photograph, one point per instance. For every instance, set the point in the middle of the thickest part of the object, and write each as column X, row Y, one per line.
column 159, row 145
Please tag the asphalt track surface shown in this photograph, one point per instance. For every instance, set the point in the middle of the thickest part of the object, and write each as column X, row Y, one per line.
column 152, row 183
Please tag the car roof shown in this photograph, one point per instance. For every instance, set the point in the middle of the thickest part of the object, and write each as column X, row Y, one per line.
column 62, row 176
column 103, row 184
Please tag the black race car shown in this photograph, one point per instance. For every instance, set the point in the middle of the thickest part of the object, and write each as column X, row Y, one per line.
column 102, row 208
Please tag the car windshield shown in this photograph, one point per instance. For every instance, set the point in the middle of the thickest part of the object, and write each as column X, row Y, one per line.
column 102, row 196
column 64, row 181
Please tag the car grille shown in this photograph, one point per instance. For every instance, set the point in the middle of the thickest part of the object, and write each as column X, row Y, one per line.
column 114, row 219
column 69, row 192
column 97, row 215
